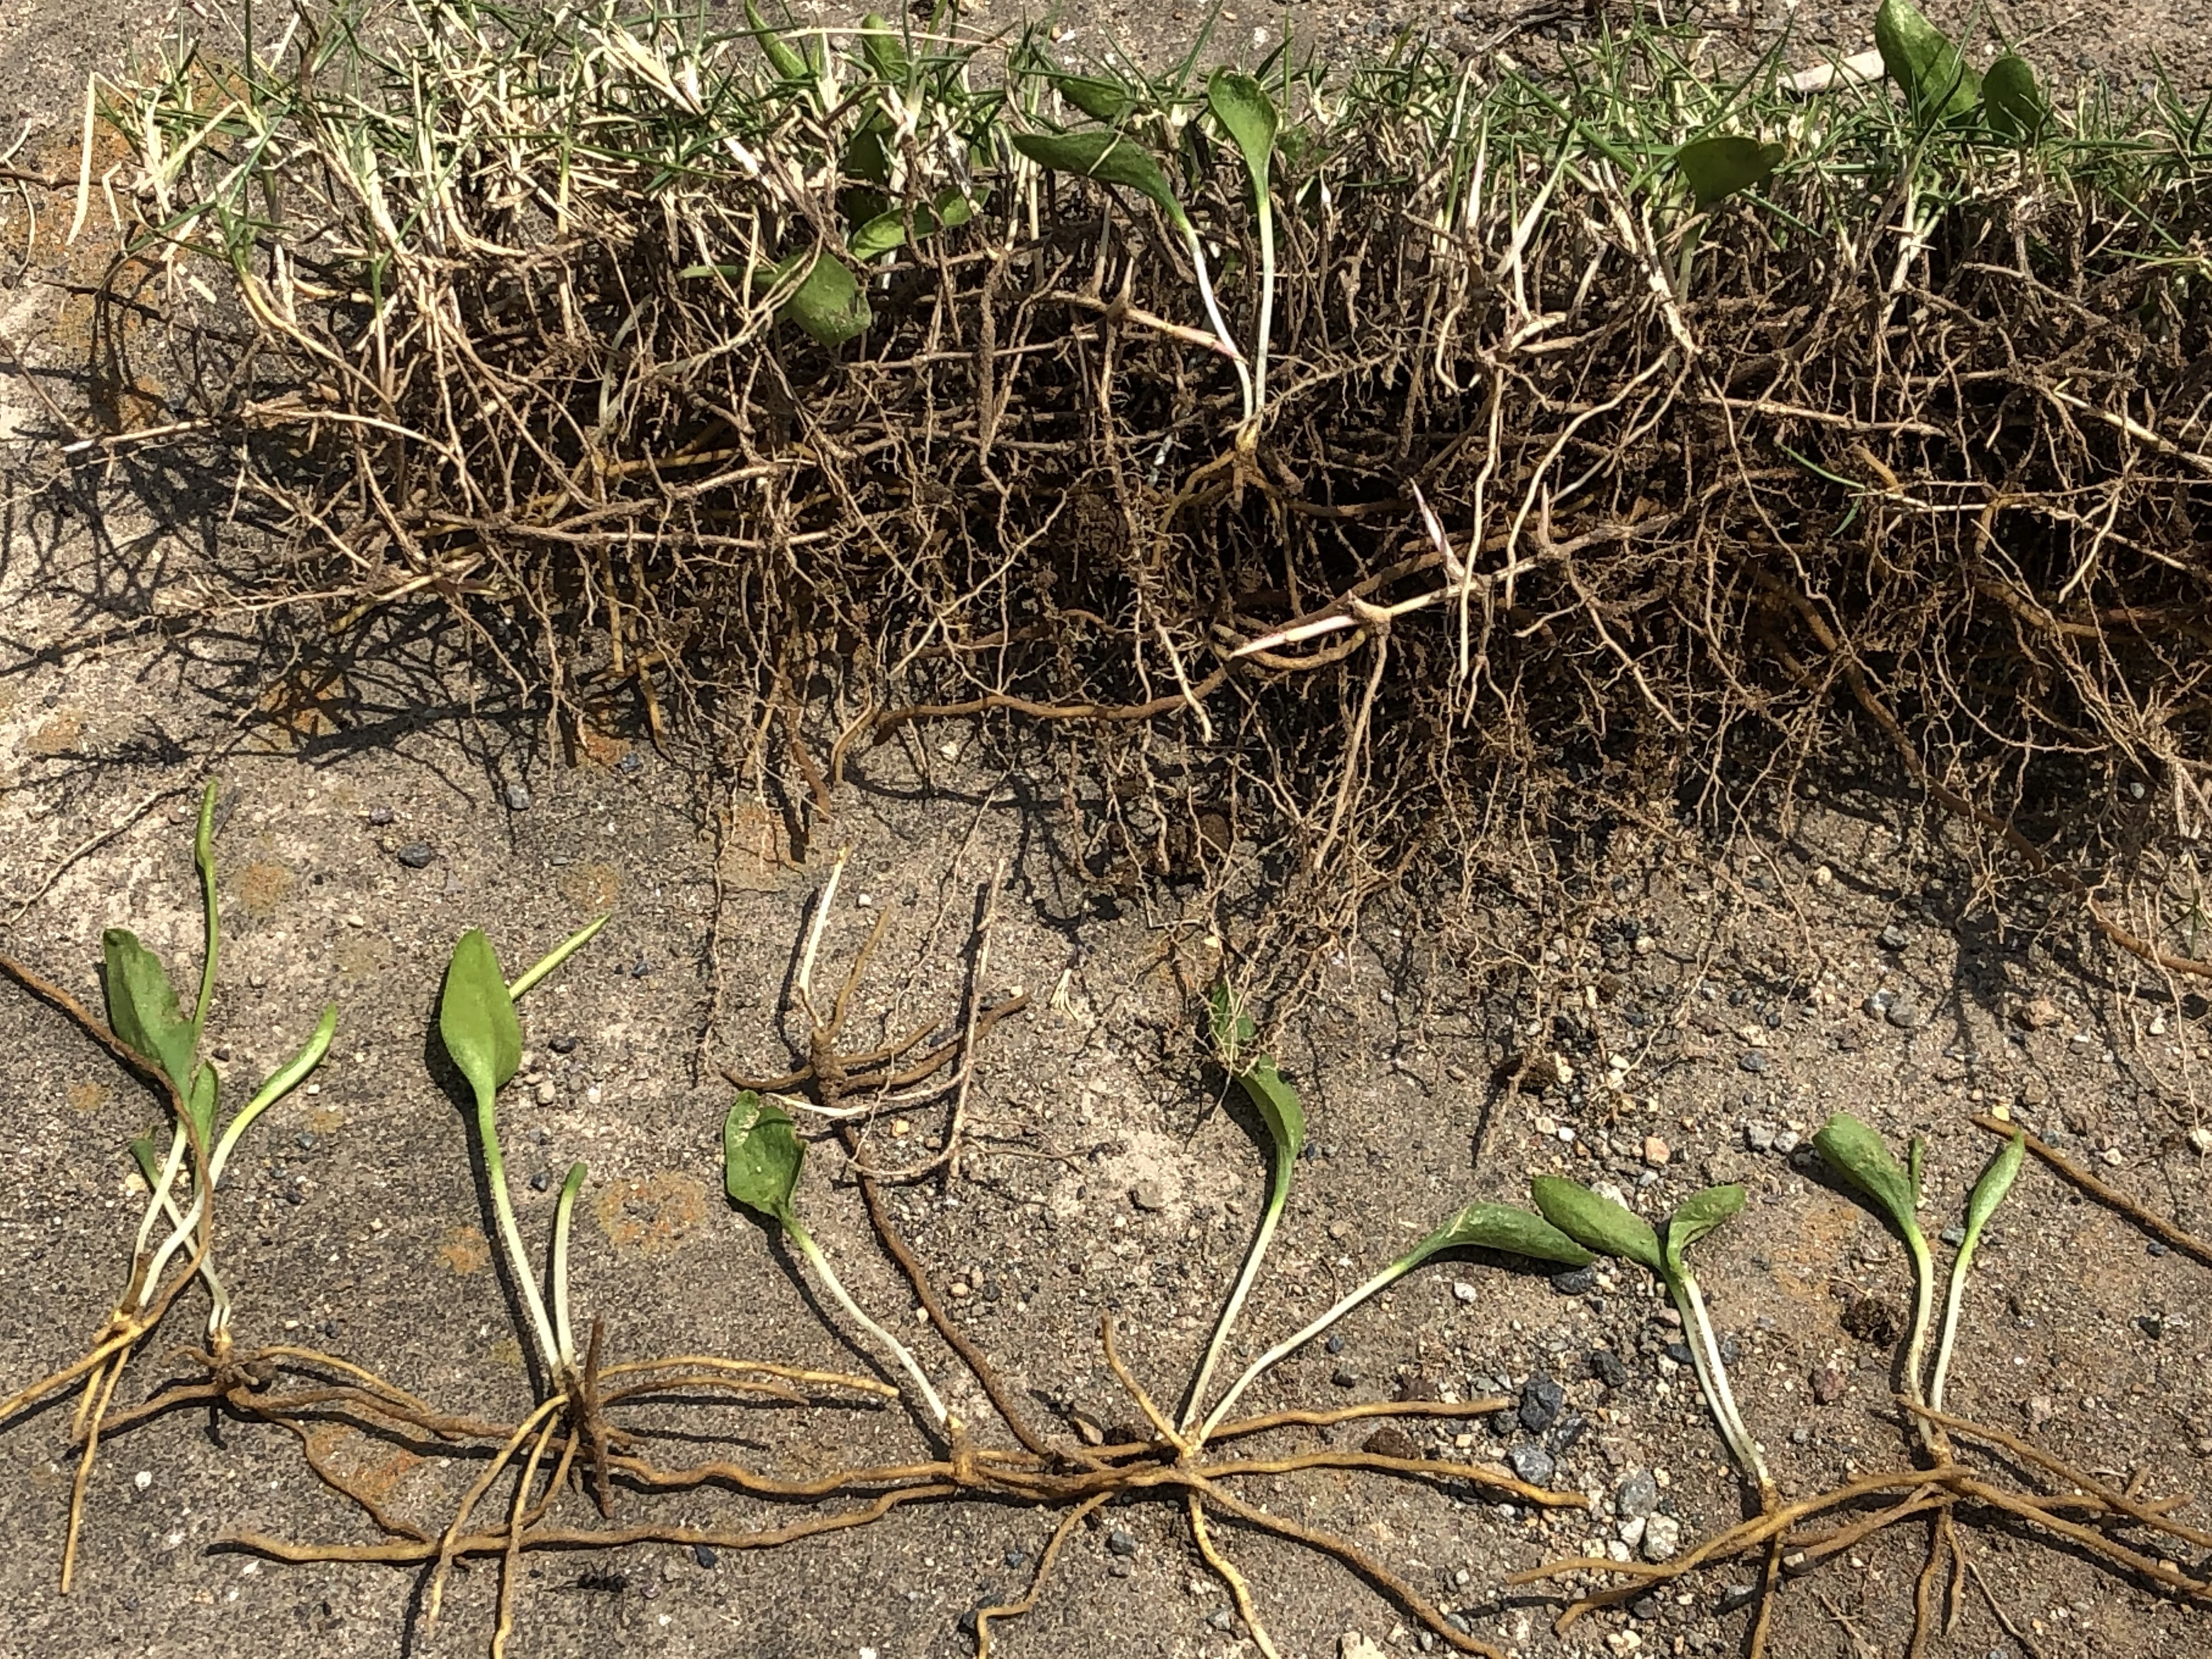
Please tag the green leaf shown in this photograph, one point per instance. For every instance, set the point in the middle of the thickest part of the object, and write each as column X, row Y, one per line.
column 147, row 1156
column 781, row 56
column 475, row 1016
column 1994, row 1182
column 884, row 51
column 1279, row 1104
column 1938, row 82
column 1247, row 115
column 1100, row 100
column 1698, row 1215
column 1502, row 1227
column 1597, row 1223
column 1109, row 157
column 887, row 231
column 1856, row 1152
column 828, row 304
column 761, row 1157
column 2011, row 101
column 142, row 1011
column 1232, row 1029
column 1723, row 164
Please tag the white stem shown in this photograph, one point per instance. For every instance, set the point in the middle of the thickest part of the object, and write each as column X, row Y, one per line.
column 1951, row 1303
column 564, row 1215
column 1213, row 315
column 1923, row 1308
column 820, row 1263
column 162, row 1186
column 518, row 1259
column 1712, row 1376
column 185, row 1229
column 1268, row 1222
column 1289, row 1345
column 1266, row 299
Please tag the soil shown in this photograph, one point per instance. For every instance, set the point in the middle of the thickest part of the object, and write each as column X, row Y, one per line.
column 1722, row 999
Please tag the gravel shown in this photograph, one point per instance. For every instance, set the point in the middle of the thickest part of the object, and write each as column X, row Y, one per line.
column 1532, row 1463
column 1637, row 1495
column 1541, row 1401
column 418, row 854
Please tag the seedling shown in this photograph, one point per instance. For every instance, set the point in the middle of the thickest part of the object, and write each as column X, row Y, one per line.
column 2084, row 1513
column 1610, row 1229
column 149, row 1030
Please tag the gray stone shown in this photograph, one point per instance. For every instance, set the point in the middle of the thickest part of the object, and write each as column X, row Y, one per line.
column 1541, row 1400
column 1532, row 1463
column 1122, row 1542
column 517, row 796
column 1894, row 937
column 1148, row 1195
column 1637, row 1495
column 1785, row 1142
column 1753, row 1061
column 1662, row 1537
column 417, row 855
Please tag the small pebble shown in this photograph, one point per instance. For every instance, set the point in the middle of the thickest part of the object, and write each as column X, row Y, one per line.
column 1575, row 1281
column 1637, row 1495
column 380, row 816
column 1605, row 1366
column 418, row 854
column 1119, row 1568
column 1541, row 1401
column 1827, row 1385
column 640, row 969
column 1905, row 1016
column 1656, row 1151
column 2200, row 1141
column 1759, row 1137
column 1785, row 1142
column 704, row 1554
column 1893, row 938
column 1122, row 1542
column 563, row 1045
column 1015, row 1558
column 540, row 1181
column 517, row 796
column 1466, row 1292
column 1221, row 1619
column 1344, row 1377
column 1532, row 1463
column 1148, row 1195
column 1662, row 1537
column 1753, row 1061
column 1335, row 1344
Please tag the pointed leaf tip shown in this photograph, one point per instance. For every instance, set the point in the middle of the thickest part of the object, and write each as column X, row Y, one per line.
column 1698, row 1215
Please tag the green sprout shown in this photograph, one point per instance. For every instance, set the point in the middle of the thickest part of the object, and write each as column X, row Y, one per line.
column 1610, row 1229
column 762, row 1158
column 1233, row 1032
column 477, row 1024
column 146, row 1021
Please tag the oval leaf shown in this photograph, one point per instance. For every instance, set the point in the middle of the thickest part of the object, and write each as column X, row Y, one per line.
column 1279, row 1104
column 1699, row 1215
column 1856, row 1152
column 2011, row 101
column 761, row 1157
column 1247, row 115
column 1718, row 166
column 1938, row 82
column 1994, row 1182
column 828, row 305
column 141, row 1005
column 884, row 51
column 1100, row 100
column 887, row 231
column 1597, row 1223
column 1502, row 1227
column 1109, row 157
column 475, row 1016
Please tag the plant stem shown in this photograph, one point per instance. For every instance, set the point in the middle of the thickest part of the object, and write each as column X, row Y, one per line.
column 280, row 1084
column 822, row 1272
column 1923, row 1308
column 553, row 958
column 167, row 1180
column 1236, row 1305
column 1267, row 212
column 563, row 1215
column 1213, row 315
column 1289, row 1345
column 518, row 1259
column 1712, row 1376
column 204, row 856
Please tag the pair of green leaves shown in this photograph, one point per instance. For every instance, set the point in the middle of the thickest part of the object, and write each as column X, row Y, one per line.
column 1857, row 1152
column 1238, row 101
column 1610, row 1229
column 1941, row 87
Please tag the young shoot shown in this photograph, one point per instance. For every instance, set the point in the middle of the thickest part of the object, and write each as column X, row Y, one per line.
column 1989, row 1189
column 1478, row 1226
column 477, row 1024
column 761, row 1157
column 1277, row 1103
column 1860, row 1156
column 1249, row 116
column 1610, row 1229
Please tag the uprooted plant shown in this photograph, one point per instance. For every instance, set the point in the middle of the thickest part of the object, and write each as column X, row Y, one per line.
column 2083, row 1513
column 764, row 1165
column 148, row 1031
